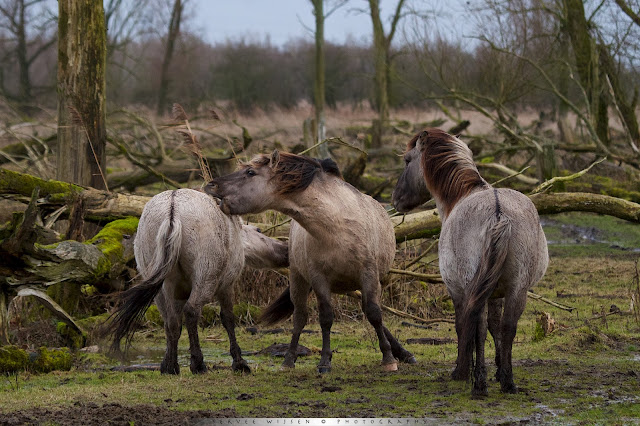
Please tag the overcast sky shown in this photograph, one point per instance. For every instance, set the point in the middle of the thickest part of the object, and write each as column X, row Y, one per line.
column 285, row 20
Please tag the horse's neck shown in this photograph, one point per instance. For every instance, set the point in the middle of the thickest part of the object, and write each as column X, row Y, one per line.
column 318, row 208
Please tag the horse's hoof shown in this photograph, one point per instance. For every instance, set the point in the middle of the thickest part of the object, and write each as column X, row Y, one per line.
column 286, row 366
column 459, row 376
column 322, row 369
column 510, row 388
column 200, row 369
column 390, row 367
column 241, row 367
column 169, row 369
column 479, row 393
column 410, row 360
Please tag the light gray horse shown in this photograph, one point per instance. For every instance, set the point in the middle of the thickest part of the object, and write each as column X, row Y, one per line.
column 189, row 253
column 492, row 249
column 340, row 241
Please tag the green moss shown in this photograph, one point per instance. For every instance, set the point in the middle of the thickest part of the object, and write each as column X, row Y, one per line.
column 72, row 337
column 47, row 360
column 153, row 316
column 210, row 315
column 15, row 182
column 245, row 313
column 109, row 241
column 13, row 359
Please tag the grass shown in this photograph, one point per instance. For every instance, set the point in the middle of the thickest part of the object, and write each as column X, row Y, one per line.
column 586, row 371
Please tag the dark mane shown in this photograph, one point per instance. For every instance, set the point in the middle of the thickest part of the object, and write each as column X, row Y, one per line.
column 448, row 167
column 295, row 173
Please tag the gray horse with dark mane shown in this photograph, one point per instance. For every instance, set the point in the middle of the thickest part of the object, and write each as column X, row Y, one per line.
column 492, row 248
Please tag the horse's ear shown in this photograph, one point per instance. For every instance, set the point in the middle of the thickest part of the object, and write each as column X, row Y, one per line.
column 422, row 140
column 275, row 158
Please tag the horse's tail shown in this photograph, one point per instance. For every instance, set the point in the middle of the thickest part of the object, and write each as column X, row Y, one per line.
column 483, row 284
column 135, row 301
column 279, row 310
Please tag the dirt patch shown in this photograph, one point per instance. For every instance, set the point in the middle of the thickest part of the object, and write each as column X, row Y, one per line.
column 112, row 414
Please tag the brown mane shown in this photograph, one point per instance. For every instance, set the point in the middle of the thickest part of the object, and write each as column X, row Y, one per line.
column 295, row 173
column 448, row 168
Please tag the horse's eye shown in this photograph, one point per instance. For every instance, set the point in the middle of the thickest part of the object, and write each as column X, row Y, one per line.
column 251, row 172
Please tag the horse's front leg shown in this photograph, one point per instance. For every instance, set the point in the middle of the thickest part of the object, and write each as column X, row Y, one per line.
column 299, row 295
column 225, row 297
column 326, row 321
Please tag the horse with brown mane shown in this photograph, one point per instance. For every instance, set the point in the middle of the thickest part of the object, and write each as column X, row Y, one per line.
column 340, row 241
column 492, row 248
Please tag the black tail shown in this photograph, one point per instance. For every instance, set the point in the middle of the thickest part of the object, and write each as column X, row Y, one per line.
column 483, row 285
column 135, row 301
column 279, row 310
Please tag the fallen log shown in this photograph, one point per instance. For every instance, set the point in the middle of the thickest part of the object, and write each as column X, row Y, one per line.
column 106, row 206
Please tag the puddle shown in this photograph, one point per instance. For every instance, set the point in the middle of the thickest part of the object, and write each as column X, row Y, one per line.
column 577, row 235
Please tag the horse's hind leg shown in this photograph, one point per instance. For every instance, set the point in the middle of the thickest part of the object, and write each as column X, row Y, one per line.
column 461, row 372
column 225, row 298
column 398, row 351
column 171, row 311
column 371, row 308
column 494, row 317
column 513, row 308
column 480, row 369
column 299, row 295
column 192, row 311
column 326, row 321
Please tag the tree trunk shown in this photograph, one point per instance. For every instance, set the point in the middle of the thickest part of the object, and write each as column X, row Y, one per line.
column 626, row 108
column 81, row 154
column 319, row 80
column 172, row 36
column 586, row 58
column 21, row 53
column 380, row 96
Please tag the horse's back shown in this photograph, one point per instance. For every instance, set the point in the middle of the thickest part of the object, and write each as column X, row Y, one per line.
column 463, row 234
column 210, row 242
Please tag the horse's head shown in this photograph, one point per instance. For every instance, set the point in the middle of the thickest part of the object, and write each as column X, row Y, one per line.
column 247, row 190
column 437, row 164
column 411, row 190
column 264, row 182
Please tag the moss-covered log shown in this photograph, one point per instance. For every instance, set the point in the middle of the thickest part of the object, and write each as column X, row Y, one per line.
column 44, row 360
column 99, row 259
column 99, row 205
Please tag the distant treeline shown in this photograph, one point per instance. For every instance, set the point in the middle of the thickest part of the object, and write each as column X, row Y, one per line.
column 251, row 74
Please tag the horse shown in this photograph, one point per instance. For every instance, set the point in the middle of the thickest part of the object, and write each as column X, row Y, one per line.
column 492, row 249
column 340, row 241
column 189, row 253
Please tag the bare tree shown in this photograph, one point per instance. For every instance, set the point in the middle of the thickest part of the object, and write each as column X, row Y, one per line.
column 319, row 90
column 18, row 17
column 172, row 36
column 382, row 63
column 81, row 93
column 588, row 65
